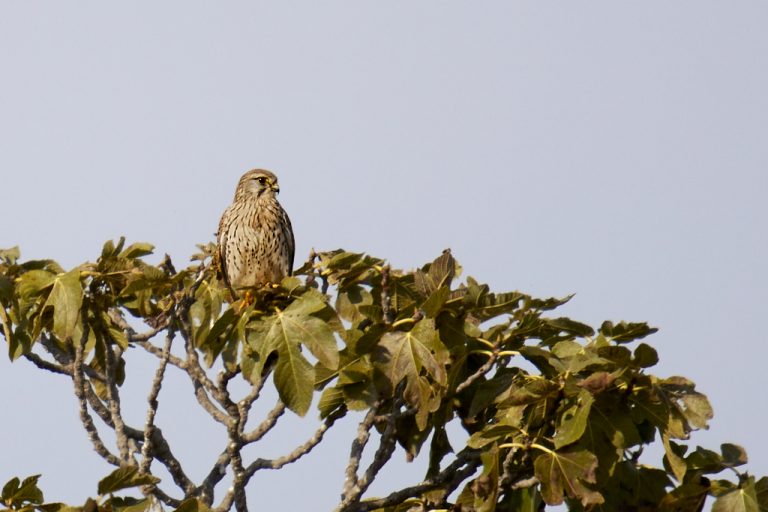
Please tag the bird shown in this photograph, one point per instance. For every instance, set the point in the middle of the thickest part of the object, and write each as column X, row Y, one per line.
column 255, row 237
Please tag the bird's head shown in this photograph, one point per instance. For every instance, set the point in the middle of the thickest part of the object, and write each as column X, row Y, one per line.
column 257, row 183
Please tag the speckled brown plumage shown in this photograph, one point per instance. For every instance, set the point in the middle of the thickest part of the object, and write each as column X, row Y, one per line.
column 255, row 238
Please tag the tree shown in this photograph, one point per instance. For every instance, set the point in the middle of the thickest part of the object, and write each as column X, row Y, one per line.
column 554, row 411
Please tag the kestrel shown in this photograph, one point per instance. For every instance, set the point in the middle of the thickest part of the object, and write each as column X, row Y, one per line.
column 255, row 238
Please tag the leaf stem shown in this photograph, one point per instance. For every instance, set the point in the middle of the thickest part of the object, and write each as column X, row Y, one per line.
column 527, row 447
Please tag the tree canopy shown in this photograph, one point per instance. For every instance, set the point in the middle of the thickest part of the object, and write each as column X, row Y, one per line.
column 553, row 410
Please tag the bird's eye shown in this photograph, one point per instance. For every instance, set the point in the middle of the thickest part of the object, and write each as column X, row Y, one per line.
column 261, row 179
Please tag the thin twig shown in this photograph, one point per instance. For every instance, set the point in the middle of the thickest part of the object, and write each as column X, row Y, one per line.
column 158, row 352
column 356, row 452
column 198, row 375
column 507, row 477
column 299, row 451
column 66, row 360
column 161, row 449
column 465, row 465
column 381, row 457
column 485, row 368
column 217, row 473
column 47, row 365
column 265, row 426
column 149, row 427
column 87, row 396
column 234, row 449
column 114, row 404
column 133, row 337
column 201, row 383
column 245, row 404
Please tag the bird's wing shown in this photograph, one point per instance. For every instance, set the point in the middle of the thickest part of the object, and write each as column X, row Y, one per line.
column 291, row 242
column 221, row 240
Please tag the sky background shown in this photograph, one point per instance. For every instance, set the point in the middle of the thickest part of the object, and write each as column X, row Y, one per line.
column 614, row 150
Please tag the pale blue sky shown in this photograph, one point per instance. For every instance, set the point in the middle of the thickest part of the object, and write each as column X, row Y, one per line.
column 616, row 150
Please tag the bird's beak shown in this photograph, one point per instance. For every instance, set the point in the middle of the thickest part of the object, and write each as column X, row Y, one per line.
column 275, row 187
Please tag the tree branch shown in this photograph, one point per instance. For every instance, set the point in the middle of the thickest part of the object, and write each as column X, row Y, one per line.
column 485, row 368
column 386, row 298
column 114, row 404
column 79, row 382
column 300, row 451
column 356, row 452
column 465, row 465
column 47, row 365
column 265, row 426
column 380, row 458
column 149, row 427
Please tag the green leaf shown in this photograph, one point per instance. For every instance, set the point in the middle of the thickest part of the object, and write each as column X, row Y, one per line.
column 124, row 478
column 137, row 250
column 33, row 282
column 283, row 333
column 296, row 325
column 120, row 504
column 403, row 355
column 66, row 298
column 624, row 332
column 16, row 493
column 526, row 499
column 743, row 499
column 674, row 457
column 705, row 461
column 331, row 400
column 487, row 488
column 192, row 505
column 761, row 491
column 733, row 455
column 433, row 305
column 294, row 378
column 574, row 420
column 144, row 278
column 436, row 275
column 567, row 473
column 569, row 326
column 645, row 356
column 490, row 434
column 10, row 487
